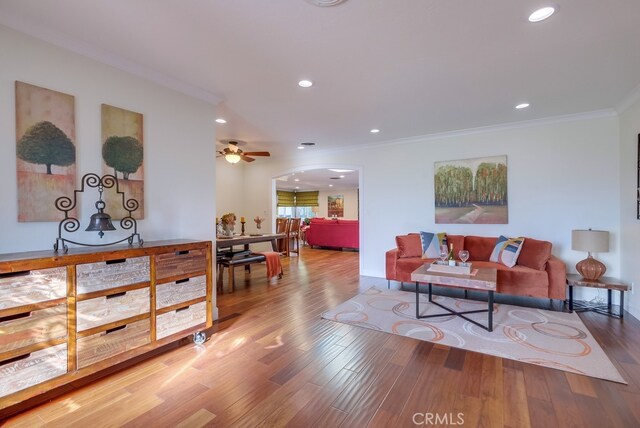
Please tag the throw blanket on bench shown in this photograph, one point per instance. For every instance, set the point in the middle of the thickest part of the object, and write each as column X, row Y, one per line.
column 274, row 267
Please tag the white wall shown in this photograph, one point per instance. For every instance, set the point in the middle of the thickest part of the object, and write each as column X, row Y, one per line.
column 229, row 188
column 179, row 142
column 629, row 224
column 350, row 202
column 562, row 176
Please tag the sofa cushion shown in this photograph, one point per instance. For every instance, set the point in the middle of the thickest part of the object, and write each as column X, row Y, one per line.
column 343, row 221
column 409, row 245
column 479, row 247
column 458, row 243
column 519, row 280
column 507, row 250
column 406, row 266
column 431, row 244
column 535, row 254
column 322, row 221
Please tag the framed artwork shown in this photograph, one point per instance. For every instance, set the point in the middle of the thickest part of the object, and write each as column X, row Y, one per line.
column 45, row 151
column 335, row 206
column 123, row 156
column 471, row 191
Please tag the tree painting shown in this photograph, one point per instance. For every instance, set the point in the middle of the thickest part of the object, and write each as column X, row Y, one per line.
column 45, row 144
column 471, row 191
column 123, row 157
column 45, row 151
column 123, row 154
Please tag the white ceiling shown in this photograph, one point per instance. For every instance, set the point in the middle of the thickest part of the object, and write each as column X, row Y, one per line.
column 318, row 179
column 408, row 67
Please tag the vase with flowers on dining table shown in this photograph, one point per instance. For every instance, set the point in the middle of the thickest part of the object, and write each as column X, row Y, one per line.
column 228, row 223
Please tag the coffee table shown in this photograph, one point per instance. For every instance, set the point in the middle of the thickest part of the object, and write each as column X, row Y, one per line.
column 483, row 279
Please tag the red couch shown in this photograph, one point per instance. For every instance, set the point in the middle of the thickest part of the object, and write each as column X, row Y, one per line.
column 333, row 233
column 537, row 273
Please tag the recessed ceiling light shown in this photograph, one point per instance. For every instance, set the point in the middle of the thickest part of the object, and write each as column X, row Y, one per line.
column 523, row 105
column 296, row 179
column 342, row 176
column 305, row 83
column 541, row 14
column 297, row 187
column 300, row 147
column 340, row 170
column 375, row 131
column 330, row 185
column 221, row 120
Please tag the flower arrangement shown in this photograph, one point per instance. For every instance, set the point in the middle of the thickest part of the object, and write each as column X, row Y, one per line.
column 229, row 219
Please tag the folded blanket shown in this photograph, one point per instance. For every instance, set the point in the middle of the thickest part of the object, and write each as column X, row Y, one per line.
column 274, row 267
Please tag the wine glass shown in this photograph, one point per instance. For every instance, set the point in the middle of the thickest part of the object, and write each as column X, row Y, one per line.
column 464, row 256
column 444, row 253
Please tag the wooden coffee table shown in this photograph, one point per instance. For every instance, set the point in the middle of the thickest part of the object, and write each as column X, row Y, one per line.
column 484, row 280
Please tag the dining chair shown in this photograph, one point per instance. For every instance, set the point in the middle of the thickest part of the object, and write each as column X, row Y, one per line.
column 294, row 236
column 282, row 225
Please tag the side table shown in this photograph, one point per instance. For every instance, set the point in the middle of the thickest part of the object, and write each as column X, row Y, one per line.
column 608, row 283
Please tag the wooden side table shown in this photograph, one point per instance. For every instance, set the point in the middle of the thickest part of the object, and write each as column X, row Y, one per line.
column 605, row 282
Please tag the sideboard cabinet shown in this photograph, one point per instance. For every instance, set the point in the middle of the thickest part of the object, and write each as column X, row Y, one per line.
column 66, row 316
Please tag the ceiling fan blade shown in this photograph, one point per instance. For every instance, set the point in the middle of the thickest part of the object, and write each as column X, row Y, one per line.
column 246, row 158
column 257, row 153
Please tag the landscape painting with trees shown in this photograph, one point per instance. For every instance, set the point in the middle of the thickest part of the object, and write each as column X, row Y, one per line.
column 335, row 206
column 123, row 156
column 471, row 191
column 45, row 151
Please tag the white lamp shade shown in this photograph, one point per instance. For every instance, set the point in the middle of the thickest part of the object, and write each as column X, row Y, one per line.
column 593, row 241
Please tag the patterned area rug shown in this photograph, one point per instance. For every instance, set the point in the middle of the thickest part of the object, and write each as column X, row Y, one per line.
column 557, row 340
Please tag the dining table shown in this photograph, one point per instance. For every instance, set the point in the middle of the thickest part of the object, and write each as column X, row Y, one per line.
column 246, row 240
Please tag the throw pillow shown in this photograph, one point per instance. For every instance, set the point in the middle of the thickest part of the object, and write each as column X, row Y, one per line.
column 431, row 244
column 507, row 251
column 409, row 245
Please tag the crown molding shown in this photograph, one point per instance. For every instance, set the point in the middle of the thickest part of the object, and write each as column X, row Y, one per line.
column 55, row 38
column 629, row 100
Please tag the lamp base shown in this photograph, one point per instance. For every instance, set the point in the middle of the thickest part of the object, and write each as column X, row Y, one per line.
column 591, row 268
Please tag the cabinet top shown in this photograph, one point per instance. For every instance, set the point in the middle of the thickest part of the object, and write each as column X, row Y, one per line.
column 16, row 262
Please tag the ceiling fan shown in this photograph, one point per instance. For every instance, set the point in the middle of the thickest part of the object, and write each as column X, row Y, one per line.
column 233, row 153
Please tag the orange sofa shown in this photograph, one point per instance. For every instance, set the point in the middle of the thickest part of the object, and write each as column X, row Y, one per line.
column 537, row 273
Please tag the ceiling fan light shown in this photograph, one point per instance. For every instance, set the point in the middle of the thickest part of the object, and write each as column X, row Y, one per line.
column 232, row 157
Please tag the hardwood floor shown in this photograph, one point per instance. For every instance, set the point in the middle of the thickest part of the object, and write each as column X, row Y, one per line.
column 272, row 361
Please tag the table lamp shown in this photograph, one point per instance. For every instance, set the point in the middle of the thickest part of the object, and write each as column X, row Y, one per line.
column 596, row 241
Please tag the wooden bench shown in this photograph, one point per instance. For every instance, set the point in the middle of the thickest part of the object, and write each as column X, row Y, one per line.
column 231, row 263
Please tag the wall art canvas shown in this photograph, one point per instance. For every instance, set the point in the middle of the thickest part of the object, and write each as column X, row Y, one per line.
column 123, row 156
column 335, row 206
column 45, row 151
column 471, row 191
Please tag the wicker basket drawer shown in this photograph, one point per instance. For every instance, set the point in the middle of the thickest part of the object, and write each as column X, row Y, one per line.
column 180, row 319
column 184, row 290
column 107, row 309
column 106, row 344
column 34, row 327
column 92, row 277
column 181, row 263
column 31, row 369
column 35, row 286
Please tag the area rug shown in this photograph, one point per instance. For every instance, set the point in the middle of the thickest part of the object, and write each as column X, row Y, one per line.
column 557, row 340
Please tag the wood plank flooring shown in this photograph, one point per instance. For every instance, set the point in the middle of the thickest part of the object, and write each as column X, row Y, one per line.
column 272, row 361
